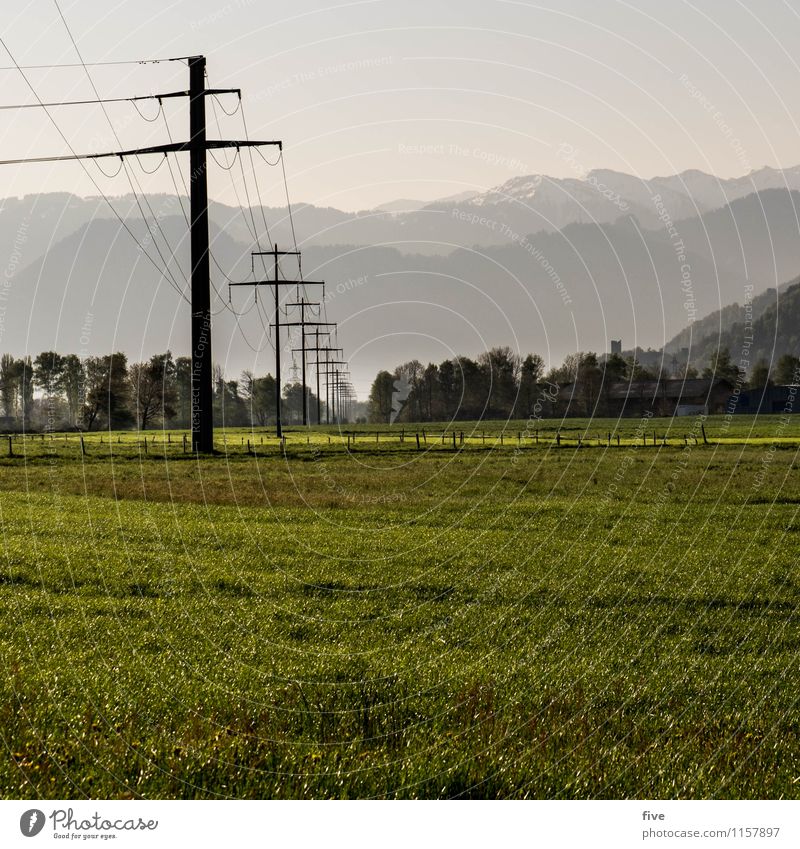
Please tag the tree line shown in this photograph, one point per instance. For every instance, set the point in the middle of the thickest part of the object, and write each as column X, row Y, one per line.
column 503, row 384
column 58, row 392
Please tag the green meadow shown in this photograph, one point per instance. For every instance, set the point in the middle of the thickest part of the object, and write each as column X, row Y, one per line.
column 558, row 615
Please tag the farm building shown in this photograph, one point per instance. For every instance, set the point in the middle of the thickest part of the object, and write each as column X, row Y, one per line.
column 769, row 399
column 665, row 397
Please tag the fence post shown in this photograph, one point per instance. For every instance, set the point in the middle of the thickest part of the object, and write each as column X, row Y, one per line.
column 703, row 428
column 83, row 446
column 417, row 435
column 454, row 440
column 10, row 448
column 558, row 437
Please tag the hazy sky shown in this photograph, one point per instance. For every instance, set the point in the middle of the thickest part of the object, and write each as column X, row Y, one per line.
column 378, row 100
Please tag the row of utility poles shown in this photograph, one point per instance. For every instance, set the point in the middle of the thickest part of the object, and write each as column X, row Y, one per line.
column 337, row 389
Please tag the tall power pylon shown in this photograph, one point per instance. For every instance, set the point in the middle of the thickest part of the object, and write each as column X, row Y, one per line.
column 197, row 147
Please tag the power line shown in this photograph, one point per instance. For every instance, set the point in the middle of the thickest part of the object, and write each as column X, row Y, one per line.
column 252, row 230
column 128, row 173
column 236, row 314
column 255, row 180
column 16, row 67
column 94, row 102
column 229, row 114
column 288, row 202
column 83, row 166
column 200, row 303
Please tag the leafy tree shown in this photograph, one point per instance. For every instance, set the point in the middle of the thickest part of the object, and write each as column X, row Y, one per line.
column 787, row 370
column 471, row 387
column 615, row 368
column 721, row 366
column 154, row 390
column 25, row 369
column 293, row 402
column 48, row 370
column 379, row 405
column 258, row 395
column 428, row 390
column 638, row 372
column 107, row 391
column 409, row 378
column 501, row 369
column 447, row 390
column 73, row 381
column 760, row 375
column 9, row 384
column 567, row 372
column 183, row 390
column 531, row 372
column 589, row 379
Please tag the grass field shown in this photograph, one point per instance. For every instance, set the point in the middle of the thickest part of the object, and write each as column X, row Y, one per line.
column 515, row 620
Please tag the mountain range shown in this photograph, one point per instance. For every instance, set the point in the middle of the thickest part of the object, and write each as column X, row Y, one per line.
column 545, row 265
